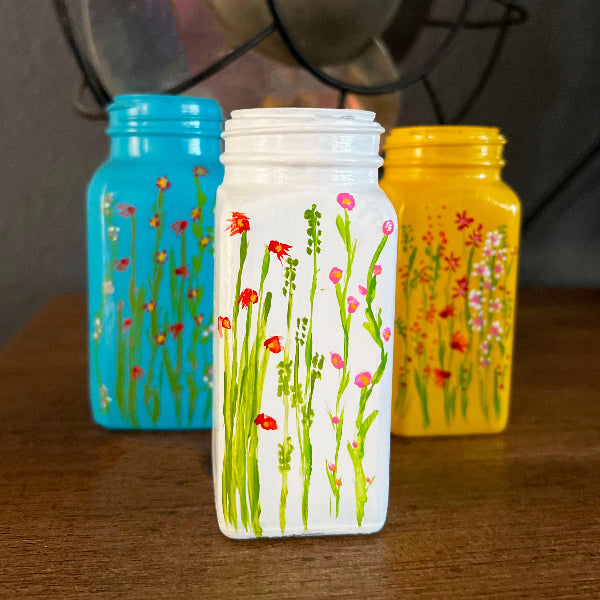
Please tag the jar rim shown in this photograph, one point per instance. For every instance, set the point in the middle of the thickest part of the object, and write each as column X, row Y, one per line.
column 443, row 135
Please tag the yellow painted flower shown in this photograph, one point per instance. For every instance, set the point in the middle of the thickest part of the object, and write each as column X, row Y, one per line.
column 204, row 241
column 155, row 221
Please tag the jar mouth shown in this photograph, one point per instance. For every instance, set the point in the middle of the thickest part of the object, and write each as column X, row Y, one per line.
column 260, row 121
column 162, row 114
column 443, row 135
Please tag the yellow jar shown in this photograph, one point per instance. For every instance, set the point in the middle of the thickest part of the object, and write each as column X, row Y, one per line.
column 457, row 278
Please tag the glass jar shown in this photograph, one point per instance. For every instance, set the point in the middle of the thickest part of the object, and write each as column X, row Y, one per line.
column 304, row 296
column 457, row 279
column 150, row 254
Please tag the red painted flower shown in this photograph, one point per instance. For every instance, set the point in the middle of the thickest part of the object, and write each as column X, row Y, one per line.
column 125, row 210
column 154, row 221
column 198, row 319
column 266, row 422
column 335, row 275
column 137, row 373
column 346, row 201
column 461, row 287
column 388, row 227
column 279, row 248
column 447, row 312
column 162, row 183
column 200, row 171
column 440, row 377
column 459, row 342
column 337, row 361
column 476, row 236
column 161, row 257
column 274, row 344
column 176, row 330
column 121, row 264
column 238, row 223
column 179, row 226
column 452, row 262
column 192, row 293
column 246, row 297
column 127, row 324
column 363, row 379
column 353, row 304
column 462, row 221
column 223, row 323
column 182, row 271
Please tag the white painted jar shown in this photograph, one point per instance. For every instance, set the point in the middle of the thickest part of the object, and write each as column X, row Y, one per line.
column 305, row 266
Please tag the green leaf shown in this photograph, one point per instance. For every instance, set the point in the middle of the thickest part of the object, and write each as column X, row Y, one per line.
column 362, row 432
column 339, row 223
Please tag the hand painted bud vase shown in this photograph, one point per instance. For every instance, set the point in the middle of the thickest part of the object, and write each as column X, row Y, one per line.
column 457, row 279
column 150, row 253
column 306, row 247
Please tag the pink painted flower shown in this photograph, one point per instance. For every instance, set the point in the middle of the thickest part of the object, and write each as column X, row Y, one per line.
column 388, row 227
column 487, row 285
column 368, row 479
column 363, row 379
column 476, row 322
column 362, row 290
column 387, row 333
column 377, row 270
column 337, row 361
column 475, row 299
column 495, row 305
column 335, row 420
column 200, row 171
column 481, row 270
column 488, row 251
column 460, row 289
column 494, row 238
column 346, row 201
column 354, row 444
column 125, row 210
column 496, row 330
column 462, row 221
column 335, row 275
column 353, row 304
column 485, row 347
column 332, row 467
column 498, row 269
column 484, row 362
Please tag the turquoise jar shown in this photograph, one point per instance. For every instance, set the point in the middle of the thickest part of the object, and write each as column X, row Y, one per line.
column 150, row 264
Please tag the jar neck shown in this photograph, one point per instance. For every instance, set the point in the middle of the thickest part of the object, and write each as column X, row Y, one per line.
column 444, row 151
column 147, row 125
column 279, row 146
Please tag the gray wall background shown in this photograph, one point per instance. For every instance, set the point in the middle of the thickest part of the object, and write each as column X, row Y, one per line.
column 544, row 95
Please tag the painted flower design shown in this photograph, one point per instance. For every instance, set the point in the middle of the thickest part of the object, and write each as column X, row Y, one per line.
column 176, row 330
column 204, row 241
column 335, row 420
column 125, row 210
column 223, row 323
column 388, row 227
column 494, row 238
column 332, row 467
column 496, row 330
column 362, row 290
column 162, row 183
column 160, row 338
column 353, row 304
column 195, row 214
column 182, row 271
column 498, row 270
column 338, row 482
column 459, row 342
column 127, row 324
column 460, row 289
column 179, row 226
column 387, row 334
column 121, row 264
column 476, row 322
column 363, row 379
column 108, row 288
column 440, row 377
column 337, row 361
column 192, row 293
column 481, row 270
column 346, row 201
column 335, row 274
column 452, row 262
column 113, row 233
column 137, row 373
column 354, row 444
column 475, row 237
column 475, row 299
column 154, row 221
column 200, row 171
column 377, row 270
column 447, row 312
column 246, row 297
column 279, row 249
column 496, row 305
column 199, row 319
column 274, row 344
column 238, row 222
column 266, row 422
column 462, row 221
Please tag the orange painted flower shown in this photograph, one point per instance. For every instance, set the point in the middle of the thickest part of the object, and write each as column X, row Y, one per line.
column 363, row 379
column 160, row 338
column 161, row 257
column 127, row 324
column 176, row 330
column 162, row 183
column 179, row 226
column 346, row 201
column 266, row 422
column 246, row 297
column 154, row 221
column 337, row 361
column 200, row 171
column 447, row 312
column 459, row 342
column 121, row 264
column 335, row 274
column 149, row 306
column 332, row 467
column 462, row 221
column 196, row 214
column 279, row 248
column 137, row 373
column 274, row 344
column 223, row 323
column 238, row 223
column 338, row 482
column 125, row 210
column 182, row 271
column 440, row 377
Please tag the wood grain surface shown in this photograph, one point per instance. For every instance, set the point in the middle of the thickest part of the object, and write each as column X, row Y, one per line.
column 89, row 513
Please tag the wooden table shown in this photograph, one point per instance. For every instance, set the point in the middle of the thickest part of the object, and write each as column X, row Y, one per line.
column 89, row 513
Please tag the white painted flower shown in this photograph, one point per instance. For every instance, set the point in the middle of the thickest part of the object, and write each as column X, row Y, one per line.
column 495, row 305
column 108, row 288
column 494, row 238
column 96, row 335
column 498, row 270
column 496, row 330
column 113, row 233
column 476, row 322
column 485, row 347
column 475, row 299
column 481, row 270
